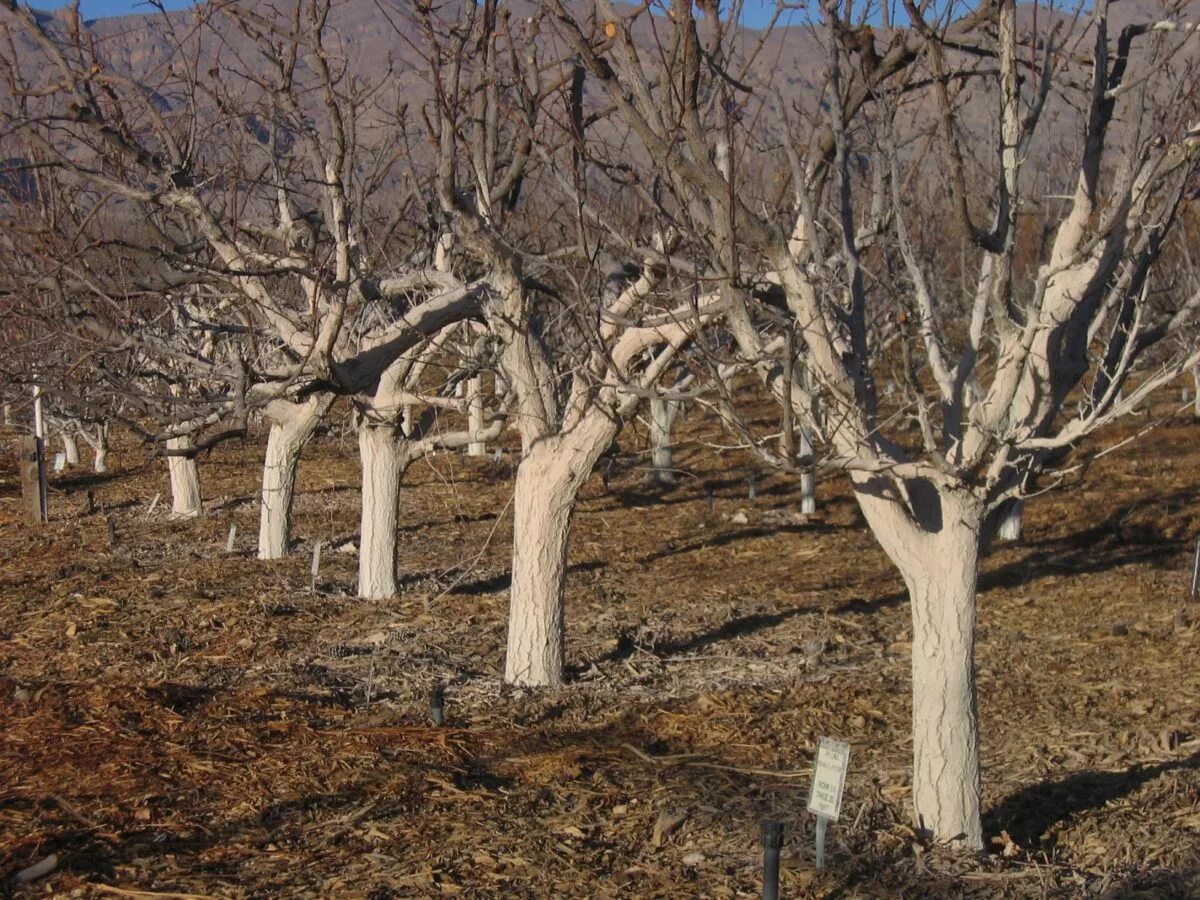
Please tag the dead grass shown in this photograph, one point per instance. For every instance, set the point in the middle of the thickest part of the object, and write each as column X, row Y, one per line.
column 178, row 720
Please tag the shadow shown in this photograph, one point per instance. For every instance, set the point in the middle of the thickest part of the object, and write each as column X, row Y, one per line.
column 742, row 534
column 83, row 480
column 503, row 580
column 332, row 489
column 426, row 524
column 1109, row 544
column 742, row 626
column 1031, row 812
column 233, row 503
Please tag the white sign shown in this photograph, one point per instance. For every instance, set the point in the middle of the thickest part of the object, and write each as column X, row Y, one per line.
column 829, row 778
column 60, row 461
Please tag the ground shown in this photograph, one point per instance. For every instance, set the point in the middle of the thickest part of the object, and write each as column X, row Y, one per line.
column 183, row 721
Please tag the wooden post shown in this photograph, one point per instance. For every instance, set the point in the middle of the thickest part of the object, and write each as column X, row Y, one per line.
column 33, row 478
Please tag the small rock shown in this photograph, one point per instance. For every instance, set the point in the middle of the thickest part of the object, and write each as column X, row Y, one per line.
column 694, row 858
column 1120, row 629
column 22, row 695
column 739, row 518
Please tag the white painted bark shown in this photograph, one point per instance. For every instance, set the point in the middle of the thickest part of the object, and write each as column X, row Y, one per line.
column 185, row 480
column 662, row 450
column 100, row 450
column 808, row 479
column 548, row 482
column 1011, row 521
column 292, row 427
column 475, row 423
column 939, row 560
column 1196, row 396
column 384, row 459
column 70, row 448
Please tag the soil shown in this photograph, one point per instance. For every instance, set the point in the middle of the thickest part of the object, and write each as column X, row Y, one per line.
column 179, row 720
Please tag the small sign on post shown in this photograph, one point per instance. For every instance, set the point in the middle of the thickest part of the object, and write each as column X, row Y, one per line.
column 316, row 566
column 829, row 781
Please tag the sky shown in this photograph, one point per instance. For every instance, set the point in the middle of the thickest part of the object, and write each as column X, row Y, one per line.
column 95, row 9
column 757, row 12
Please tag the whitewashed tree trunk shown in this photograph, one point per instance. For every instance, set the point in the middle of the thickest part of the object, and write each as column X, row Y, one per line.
column 70, row 448
column 1196, row 396
column 939, row 560
column 475, row 423
column 1011, row 521
column 100, row 449
column 185, row 480
column 384, row 458
column 548, row 482
column 662, row 451
column 292, row 426
column 808, row 479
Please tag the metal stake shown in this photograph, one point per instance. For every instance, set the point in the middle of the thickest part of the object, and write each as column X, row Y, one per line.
column 772, row 841
column 1196, row 570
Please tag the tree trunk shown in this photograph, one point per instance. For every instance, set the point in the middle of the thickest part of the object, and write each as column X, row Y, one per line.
column 548, row 482
column 185, row 480
column 1196, row 397
column 475, row 423
column 384, row 458
column 808, row 479
column 70, row 448
column 939, row 559
column 292, row 427
column 100, row 450
column 1011, row 520
column 662, row 451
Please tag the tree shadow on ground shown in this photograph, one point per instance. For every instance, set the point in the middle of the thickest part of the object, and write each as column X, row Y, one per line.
column 741, row 626
column 503, row 580
column 1031, row 812
column 724, row 538
column 1107, row 545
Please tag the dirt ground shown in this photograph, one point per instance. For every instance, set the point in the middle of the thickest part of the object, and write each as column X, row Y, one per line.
column 182, row 721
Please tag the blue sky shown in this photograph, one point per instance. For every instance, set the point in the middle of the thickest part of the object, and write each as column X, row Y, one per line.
column 95, row 9
column 758, row 12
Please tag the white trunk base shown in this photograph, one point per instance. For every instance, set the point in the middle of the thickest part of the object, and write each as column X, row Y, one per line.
column 71, row 449
column 1010, row 525
column 808, row 480
column 383, row 460
column 185, row 480
column 284, row 444
column 940, row 565
column 475, row 423
column 662, row 451
column 548, row 482
column 542, row 508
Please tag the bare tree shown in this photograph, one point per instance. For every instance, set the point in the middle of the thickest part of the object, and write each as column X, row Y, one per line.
column 989, row 392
